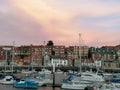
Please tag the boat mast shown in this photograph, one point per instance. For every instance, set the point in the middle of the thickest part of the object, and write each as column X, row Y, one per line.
column 12, row 56
column 32, row 63
column 6, row 52
column 44, row 63
column 80, row 52
column 32, row 54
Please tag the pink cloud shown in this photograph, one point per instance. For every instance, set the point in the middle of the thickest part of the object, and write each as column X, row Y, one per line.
column 39, row 20
column 55, row 24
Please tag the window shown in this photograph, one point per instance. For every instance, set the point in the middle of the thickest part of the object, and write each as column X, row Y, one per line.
column 109, row 65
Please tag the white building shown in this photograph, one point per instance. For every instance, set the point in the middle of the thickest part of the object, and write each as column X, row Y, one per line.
column 59, row 62
column 98, row 63
column 46, row 60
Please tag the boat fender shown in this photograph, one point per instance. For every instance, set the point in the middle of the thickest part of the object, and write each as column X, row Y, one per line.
column 94, row 88
column 86, row 88
column 100, row 86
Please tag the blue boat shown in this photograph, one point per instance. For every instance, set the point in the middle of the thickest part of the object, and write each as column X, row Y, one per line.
column 115, row 79
column 25, row 84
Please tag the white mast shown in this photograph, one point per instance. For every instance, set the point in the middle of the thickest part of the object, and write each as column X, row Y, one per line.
column 6, row 52
column 32, row 60
column 13, row 56
column 6, row 56
column 80, row 52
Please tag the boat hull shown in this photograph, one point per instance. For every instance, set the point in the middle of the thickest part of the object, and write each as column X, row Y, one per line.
column 7, row 80
column 26, row 84
column 74, row 87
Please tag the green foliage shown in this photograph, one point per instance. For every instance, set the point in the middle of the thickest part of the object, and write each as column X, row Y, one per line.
column 50, row 43
column 89, row 54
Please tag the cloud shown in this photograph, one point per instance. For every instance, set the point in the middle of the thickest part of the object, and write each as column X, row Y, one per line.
column 35, row 21
column 55, row 24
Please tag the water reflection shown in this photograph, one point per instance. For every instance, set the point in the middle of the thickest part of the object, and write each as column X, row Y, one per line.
column 10, row 87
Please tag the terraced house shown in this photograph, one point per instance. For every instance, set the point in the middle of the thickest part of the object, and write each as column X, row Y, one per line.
column 41, row 55
column 109, row 56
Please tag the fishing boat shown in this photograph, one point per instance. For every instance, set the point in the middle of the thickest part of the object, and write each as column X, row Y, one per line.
column 23, row 83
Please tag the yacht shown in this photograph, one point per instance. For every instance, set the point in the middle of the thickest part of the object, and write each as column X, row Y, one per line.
column 45, row 71
column 24, row 83
column 91, row 76
column 7, row 80
column 107, row 86
column 74, row 82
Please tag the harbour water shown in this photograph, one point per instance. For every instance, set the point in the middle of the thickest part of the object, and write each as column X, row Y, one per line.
column 58, row 78
column 10, row 87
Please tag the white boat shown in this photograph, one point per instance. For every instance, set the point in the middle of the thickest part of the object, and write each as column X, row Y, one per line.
column 91, row 76
column 80, row 81
column 42, row 80
column 7, row 80
column 39, row 81
column 107, row 86
column 46, row 71
column 103, row 86
column 116, row 85
column 59, row 71
column 74, row 82
column 27, row 71
column 74, row 85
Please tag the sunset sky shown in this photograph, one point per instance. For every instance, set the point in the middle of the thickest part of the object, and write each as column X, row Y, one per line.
column 35, row 21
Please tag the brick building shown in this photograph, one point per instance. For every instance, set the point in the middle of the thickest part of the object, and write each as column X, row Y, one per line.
column 110, row 55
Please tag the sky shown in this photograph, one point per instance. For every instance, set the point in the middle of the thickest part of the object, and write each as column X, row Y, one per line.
column 65, row 22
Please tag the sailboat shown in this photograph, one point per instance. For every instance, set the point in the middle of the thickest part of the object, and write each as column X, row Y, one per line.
column 75, row 81
column 8, row 78
column 25, row 83
column 27, row 72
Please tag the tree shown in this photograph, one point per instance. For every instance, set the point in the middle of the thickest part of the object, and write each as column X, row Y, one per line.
column 53, row 52
column 50, row 43
column 89, row 54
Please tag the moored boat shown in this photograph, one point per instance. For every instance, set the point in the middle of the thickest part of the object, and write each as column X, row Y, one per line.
column 74, row 85
column 74, row 82
column 8, row 80
column 25, row 84
column 90, row 76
